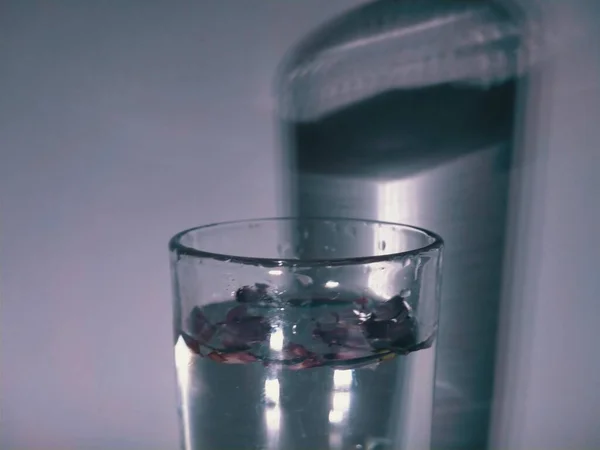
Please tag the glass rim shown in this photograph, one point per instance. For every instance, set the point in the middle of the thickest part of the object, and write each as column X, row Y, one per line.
column 175, row 245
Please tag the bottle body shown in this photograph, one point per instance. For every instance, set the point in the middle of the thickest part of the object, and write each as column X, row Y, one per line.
column 423, row 137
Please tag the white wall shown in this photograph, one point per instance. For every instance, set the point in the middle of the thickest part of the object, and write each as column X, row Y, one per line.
column 121, row 122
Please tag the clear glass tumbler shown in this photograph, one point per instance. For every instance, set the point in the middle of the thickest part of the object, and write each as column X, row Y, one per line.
column 305, row 334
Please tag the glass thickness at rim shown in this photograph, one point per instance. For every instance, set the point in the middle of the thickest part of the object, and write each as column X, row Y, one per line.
column 176, row 245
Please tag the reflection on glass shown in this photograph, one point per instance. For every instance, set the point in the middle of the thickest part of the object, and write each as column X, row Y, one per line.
column 342, row 379
column 336, row 416
column 183, row 362
column 272, row 411
column 272, row 392
column 340, row 405
column 394, row 204
column 272, row 418
column 276, row 340
column 340, row 402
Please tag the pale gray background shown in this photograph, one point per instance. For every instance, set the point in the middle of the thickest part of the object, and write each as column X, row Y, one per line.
column 122, row 122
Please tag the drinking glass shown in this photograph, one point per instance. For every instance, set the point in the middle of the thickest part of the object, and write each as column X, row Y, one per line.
column 311, row 333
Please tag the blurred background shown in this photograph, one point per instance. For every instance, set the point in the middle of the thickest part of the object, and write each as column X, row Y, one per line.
column 122, row 123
